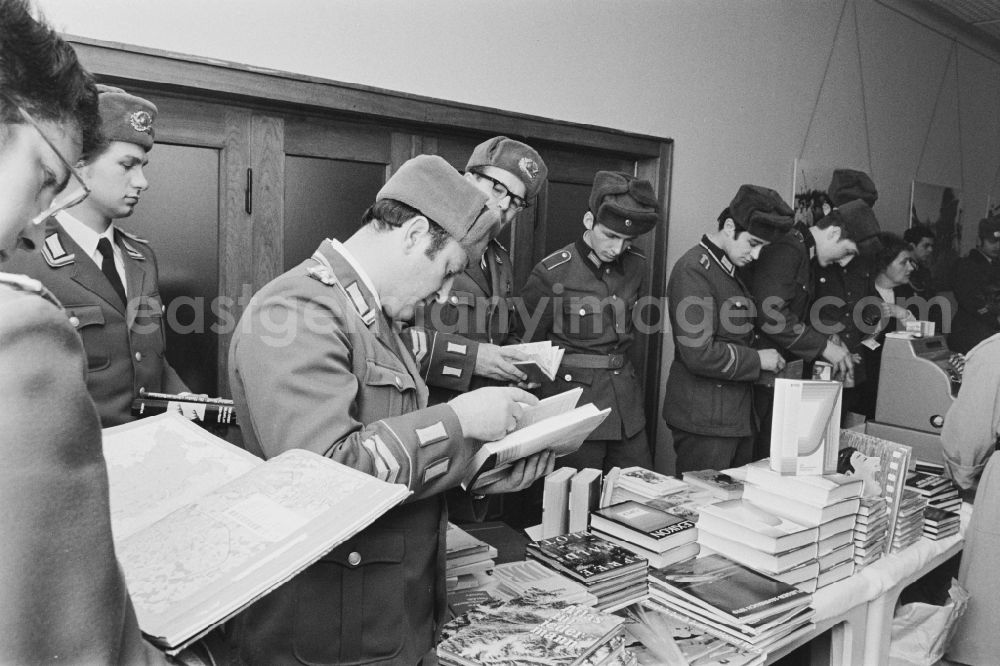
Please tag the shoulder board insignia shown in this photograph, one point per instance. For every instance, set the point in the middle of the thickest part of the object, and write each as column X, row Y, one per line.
column 29, row 285
column 797, row 235
column 54, row 253
column 322, row 274
column 705, row 261
column 636, row 252
column 132, row 252
column 556, row 259
column 131, row 236
column 360, row 304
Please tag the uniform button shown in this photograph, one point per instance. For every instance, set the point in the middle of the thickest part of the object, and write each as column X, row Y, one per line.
column 614, row 297
column 138, row 356
column 399, row 382
column 582, row 312
column 607, row 270
column 565, row 254
column 454, row 299
column 354, row 559
column 74, row 321
column 568, row 378
column 617, row 372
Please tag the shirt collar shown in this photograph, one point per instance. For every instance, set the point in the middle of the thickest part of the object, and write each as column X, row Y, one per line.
column 84, row 236
column 807, row 238
column 719, row 255
column 349, row 258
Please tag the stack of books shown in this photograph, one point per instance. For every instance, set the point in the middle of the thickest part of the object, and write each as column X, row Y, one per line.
column 939, row 491
column 871, row 531
column 724, row 599
column 615, row 575
column 909, row 520
column 516, row 579
column 534, row 630
column 655, row 639
column 939, row 524
column 722, row 486
column 660, row 537
column 469, row 560
column 641, row 484
column 827, row 502
column 760, row 540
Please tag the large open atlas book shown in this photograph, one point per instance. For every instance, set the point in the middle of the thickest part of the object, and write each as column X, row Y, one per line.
column 203, row 528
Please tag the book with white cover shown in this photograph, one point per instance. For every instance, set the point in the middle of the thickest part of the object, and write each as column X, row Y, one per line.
column 584, row 494
column 554, row 424
column 805, row 426
column 755, row 526
column 517, row 578
column 800, row 512
column 658, row 560
column 203, row 529
column 555, row 502
column 647, row 483
column 769, row 563
column 811, row 488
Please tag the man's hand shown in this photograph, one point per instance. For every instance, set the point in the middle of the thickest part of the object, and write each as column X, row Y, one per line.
column 487, row 414
column 497, row 363
column 771, row 360
column 837, row 354
column 522, row 474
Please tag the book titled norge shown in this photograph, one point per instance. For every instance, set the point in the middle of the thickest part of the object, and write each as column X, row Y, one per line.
column 203, row 528
column 644, row 525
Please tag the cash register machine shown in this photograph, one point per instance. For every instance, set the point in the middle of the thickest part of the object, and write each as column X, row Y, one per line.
column 918, row 380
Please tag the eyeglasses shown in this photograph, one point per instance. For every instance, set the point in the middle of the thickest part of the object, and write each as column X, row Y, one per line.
column 69, row 197
column 502, row 191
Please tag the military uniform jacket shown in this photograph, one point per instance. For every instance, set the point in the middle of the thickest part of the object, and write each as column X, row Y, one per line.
column 124, row 344
column 64, row 598
column 446, row 336
column 782, row 286
column 314, row 364
column 977, row 290
column 710, row 386
column 587, row 308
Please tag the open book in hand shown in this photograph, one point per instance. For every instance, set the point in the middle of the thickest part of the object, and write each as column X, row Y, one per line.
column 543, row 361
column 555, row 423
column 203, row 528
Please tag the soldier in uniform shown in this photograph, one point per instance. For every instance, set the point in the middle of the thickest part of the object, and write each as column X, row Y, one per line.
column 709, row 398
column 782, row 283
column 316, row 363
column 64, row 598
column 458, row 343
column 581, row 298
column 977, row 290
column 105, row 277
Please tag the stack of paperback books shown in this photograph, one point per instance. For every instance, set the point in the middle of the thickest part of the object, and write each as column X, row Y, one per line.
column 829, row 503
column 939, row 491
column 909, row 520
column 724, row 599
column 469, row 560
column 655, row 638
column 722, row 486
column 871, row 531
column 616, row 576
column 534, row 629
column 516, row 579
column 661, row 538
column 641, row 484
column 939, row 524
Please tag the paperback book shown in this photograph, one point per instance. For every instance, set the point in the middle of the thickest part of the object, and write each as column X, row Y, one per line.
column 769, row 563
column 519, row 578
column 721, row 485
column 586, row 557
column 755, row 527
column 644, row 526
column 543, row 360
column 812, row 489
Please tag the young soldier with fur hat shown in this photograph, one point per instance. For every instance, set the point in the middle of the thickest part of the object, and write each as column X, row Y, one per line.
column 107, row 278
column 977, row 290
column 709, row 397
column 337, row 379
column 458, row 343
column 581, row 298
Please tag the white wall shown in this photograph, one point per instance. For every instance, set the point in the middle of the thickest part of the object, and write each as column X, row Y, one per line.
column 733, row 82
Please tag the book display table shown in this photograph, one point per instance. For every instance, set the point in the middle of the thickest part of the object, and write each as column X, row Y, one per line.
column 858, row 610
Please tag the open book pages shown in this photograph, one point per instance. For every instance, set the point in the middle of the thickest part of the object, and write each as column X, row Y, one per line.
column 543, row 361
column 554, row 423
column 202, row 528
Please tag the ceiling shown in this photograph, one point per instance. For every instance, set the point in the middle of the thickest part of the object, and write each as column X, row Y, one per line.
column 981, row 16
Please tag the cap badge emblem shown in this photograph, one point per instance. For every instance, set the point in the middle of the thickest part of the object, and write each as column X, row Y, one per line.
column 628, row 223
column 141, row 121
column 529, row 167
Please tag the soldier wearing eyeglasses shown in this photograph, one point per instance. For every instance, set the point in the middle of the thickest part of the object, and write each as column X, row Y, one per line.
column 459, row 343
column 105, row 277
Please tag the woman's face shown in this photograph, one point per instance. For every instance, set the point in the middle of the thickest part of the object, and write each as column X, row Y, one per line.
column 898, row 272
column 31, row 175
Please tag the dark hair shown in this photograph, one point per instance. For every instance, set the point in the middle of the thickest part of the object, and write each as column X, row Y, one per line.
column 812, row 201
column 917, row 233
column 892, row 245
column 41, row 73
column 844, row 460
column 726, row 214
column 389, row 214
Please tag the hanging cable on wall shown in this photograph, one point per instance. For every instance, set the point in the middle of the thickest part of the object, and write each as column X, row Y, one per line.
column 937, row 99
column 822, row 82
column 864, row 96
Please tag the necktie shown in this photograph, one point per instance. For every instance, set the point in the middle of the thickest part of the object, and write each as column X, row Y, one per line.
column 108, row 268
